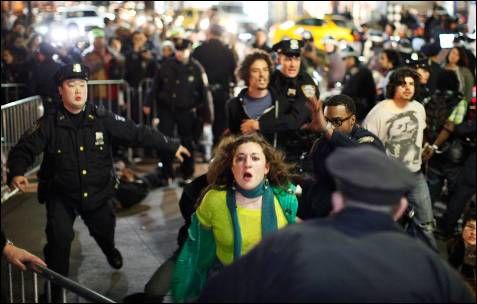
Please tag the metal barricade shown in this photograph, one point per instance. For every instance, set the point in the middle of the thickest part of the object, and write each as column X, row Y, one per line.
column 17, row 118
column 138, row 96
column 114, row 95
column 27, row 295
column 12, row 92
column 143, row 92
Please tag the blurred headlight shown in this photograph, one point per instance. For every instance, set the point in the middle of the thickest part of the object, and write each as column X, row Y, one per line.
column 73, row 32
column 58, row 33
column 245, row 36
column 299, row 31
column 286, row 25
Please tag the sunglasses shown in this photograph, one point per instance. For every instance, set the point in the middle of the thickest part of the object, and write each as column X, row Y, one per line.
column 337, row 122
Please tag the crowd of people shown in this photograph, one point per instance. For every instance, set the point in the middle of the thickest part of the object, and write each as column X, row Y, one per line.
column 387, row 132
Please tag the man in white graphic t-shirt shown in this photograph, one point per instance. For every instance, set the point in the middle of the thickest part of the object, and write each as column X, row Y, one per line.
column 399, row 122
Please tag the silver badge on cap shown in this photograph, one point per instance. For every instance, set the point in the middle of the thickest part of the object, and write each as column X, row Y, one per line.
column 294, row 44
column 309, row 90
column 77, row 68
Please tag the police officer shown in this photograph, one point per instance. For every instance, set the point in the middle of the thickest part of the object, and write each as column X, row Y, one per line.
column 358, row 255
column 219, row 64
column 76, row 176
column 336, row 120
column 180, row 90
column 358, row 83
column 291, row 82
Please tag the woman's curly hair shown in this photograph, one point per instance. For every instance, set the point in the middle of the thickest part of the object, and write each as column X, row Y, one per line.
column 220, row 169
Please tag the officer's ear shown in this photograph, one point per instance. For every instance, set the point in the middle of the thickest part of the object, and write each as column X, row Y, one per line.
column 337, row 200
column 353, row 119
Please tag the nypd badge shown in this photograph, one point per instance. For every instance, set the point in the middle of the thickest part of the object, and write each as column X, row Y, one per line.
column 119, row 117
column 309, row 90
column 294, row 44
column 291, row 92
column 77, row 68
column 99, row 139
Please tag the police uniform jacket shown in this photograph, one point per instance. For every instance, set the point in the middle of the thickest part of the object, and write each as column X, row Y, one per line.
column 280, row 117
column 359, row 84
column 182, row 87
column 291, row 88
column 77, row 160
column 218, row 62
column 354, row 256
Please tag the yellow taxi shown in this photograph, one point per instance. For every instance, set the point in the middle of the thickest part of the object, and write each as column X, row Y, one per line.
column 339, row 29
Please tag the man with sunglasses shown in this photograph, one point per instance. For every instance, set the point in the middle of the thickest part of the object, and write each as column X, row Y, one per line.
column 337, row 123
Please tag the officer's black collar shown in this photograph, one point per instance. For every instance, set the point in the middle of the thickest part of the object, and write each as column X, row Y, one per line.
column 63, row 120
column 365, row 221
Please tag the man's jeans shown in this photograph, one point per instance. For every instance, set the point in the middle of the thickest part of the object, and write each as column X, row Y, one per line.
column 420, row 200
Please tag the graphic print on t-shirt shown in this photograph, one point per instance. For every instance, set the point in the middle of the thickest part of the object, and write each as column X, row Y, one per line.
column 401, row 131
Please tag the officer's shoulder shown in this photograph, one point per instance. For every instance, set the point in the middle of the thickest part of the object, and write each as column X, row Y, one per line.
column 364, row 136
column 196, row 64
column 101, row 111
column 306, row 78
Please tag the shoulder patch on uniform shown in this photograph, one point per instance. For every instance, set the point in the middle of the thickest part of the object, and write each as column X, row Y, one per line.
column 366, row 139
column 119, row 117
column 309, row 90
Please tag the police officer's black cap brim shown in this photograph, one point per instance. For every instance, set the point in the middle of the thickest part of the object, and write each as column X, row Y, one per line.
column 291, row 54
column 60, row 81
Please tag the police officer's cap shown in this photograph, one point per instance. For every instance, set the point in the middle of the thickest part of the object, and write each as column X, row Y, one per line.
column 431, row 49
column 367, row 175
column 417, row 60
column 70, row 71
column 182, row 44
column 290, row 47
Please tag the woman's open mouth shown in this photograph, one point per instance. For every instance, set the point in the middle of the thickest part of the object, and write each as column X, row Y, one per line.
column 247, row 176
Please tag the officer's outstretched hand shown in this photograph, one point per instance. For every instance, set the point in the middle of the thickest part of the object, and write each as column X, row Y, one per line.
column 182, row 150
column 20, row 182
